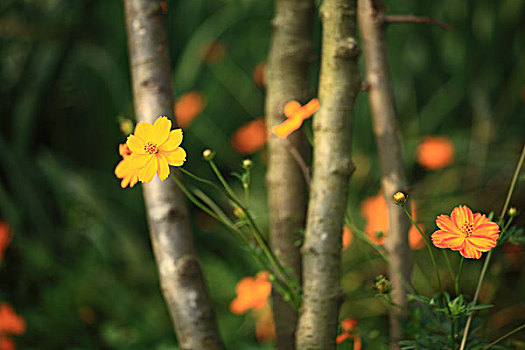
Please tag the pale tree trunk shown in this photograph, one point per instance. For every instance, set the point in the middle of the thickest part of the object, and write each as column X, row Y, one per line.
column 393, row 178
column 332, row 167
column 179, row 270
column 290, row 55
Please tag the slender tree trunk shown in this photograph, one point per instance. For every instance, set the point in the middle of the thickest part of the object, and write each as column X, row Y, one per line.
column 290, row 55
column 332, row 167
column 179, row 270
column 393, row 178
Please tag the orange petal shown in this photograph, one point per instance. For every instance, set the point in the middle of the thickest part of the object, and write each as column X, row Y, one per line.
column 445, row 223
column 462, row 214
column 291, row 108
column 287, row 127
column 173, row 141
column 176, row 157
column 470, row 252
column 483, row 244
column 161, row 130
column 341, row 338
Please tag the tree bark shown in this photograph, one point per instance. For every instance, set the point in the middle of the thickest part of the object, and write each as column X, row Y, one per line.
column 289, row 59
column 393, row 178
column 332, row 167
column 180, row 273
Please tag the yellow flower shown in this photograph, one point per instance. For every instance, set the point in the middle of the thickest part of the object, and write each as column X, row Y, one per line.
column 154, row 148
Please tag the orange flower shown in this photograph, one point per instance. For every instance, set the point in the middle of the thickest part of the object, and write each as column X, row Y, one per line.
column 347, row 237
column 265, row 326
column 188, row 106
column 10, row 321
column 129, row 176
column 348, row 327
column 375, row 211
column 296, row 114
column 259, row 74
column 250, row 137
column 435, row 152
column 5, row 237
column 154, row 149
column 252, row 293
column 7, row 343
column 470, row 234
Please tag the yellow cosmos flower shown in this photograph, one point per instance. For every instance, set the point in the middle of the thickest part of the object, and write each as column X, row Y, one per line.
column 122, row 171
column 154, row 148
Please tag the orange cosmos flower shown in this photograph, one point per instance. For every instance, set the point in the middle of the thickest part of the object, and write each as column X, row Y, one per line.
column 348, row 327
column 296, row 114
column 470, row 234
column 187, row 107
column 259, row 74
column 154, row 148
column 252, row 293
column 375, row 211
column 5, row 237
column 435, row 152
column 250, row 137
column 347, row 237
column 7, row 343
column 265, row 326
column 10, row 324
column 122, row 171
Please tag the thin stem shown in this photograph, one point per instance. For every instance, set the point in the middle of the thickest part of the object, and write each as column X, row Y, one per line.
column 487, row 260
column 300, row 161
column 415, row 19
column 453, row 333
column 428, row 248
column 220, row 177
column 452, row 275
column 458, row 276
column 246, row 187
column 515, row 330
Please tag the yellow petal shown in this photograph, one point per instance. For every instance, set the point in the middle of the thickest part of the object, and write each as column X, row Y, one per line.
column 144, row 131
column 147, row 173
column 163, row 169
column 138, row 161
column 173, row 141
column 161, row 130
column 135, row 144
column 176, row 157
column 469, row 251
column 134, row 180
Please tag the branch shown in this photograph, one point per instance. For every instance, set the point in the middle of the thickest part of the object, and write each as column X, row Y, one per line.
column 291, row 53
column 393, row 177
column 332, row 166
column 179, row 270
column 416, row 19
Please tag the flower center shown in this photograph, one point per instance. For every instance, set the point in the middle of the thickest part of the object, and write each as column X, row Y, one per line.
column 151, row 148
column 467, row 229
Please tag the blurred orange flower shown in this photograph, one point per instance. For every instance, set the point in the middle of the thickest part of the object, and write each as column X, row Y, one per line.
column 129, row 176
column 347, row 237
column 265, row 326
column 10, row 324
column 7, row 343
column 252, row 293
column 470, row 234
column 213, row 51
column 250, row 137
column 259, row 74
column 435, row 152
column 296, row 114
column 188, row 106
column 375, row 211
column 5, row 237
column 164, row 6
column 348, row 327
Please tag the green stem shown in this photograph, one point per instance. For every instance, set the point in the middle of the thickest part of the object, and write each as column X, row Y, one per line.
column 220, row 177
column 458, row 276
column 487, row 260
column 452, row 275
column 504, row 336
column 453, row 332
column 428, row 248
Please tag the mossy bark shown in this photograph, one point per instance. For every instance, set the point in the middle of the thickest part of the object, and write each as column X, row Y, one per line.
column 332, row 166
column 393, row 178
column 287, row 79
column 180, row 273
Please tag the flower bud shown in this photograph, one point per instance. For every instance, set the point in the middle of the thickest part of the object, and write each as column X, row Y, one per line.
column 247, row 163
column 238, row 212
column 512, row 211
column 126, row 126
column 207, row 154
column 400, row 198
column 382, row 285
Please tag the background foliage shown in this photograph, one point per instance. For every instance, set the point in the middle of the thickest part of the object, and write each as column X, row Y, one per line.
column 80, row 268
